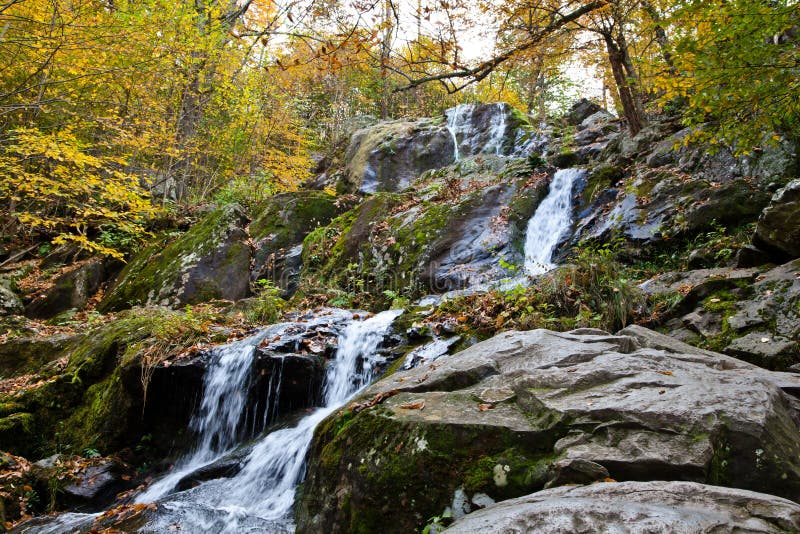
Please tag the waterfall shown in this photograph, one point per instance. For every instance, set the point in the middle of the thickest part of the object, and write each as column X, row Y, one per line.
column 260, row 497
column 497, row 131
column 222, row 410
column 551, row 221
column 466, row 121
column 455, row 118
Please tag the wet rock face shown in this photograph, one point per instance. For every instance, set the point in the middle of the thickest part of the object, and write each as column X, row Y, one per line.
column 778, row 230
column 669, row 507
column 388, row 156
column 450, row 233
column 524, row 410
column 211, row 261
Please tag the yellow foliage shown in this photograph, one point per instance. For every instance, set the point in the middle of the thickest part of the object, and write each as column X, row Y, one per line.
column 54, row 187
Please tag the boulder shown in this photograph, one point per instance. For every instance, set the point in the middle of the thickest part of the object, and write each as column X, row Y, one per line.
column 389, row 155
column 523, row 410
column 71, row 290
column 10, row 303
column 778, row 229
column 210, row 261
column 96, row 486
column 637, row 507
column 582, row 110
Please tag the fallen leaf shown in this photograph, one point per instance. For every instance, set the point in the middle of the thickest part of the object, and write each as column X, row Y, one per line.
column 668, row 373
column 714, row 300
column 661, row 391
column 418, row 405
column 484, row 407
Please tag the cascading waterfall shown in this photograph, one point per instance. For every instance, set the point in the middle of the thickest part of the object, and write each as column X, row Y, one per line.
column 260, row 497
column 222, row 409
column 497, row 132
column 550, row 222
column 459, row 122
column 455, row 117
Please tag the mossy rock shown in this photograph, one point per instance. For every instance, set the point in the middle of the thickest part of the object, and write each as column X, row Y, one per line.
column 420, row 464
column 210, row 261
column 460, row 225
column 95, row 401
column 283, row 221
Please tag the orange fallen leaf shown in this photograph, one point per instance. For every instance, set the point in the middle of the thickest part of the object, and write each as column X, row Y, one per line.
column 418, row 405
column 668, row 373
column 484, row 407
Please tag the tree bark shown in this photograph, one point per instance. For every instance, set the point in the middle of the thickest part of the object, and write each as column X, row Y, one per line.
column 627, row 98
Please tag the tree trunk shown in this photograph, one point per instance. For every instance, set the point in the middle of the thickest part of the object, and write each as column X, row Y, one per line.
column 627, row 99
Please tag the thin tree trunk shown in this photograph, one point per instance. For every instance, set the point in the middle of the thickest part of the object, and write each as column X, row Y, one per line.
column 626, row 96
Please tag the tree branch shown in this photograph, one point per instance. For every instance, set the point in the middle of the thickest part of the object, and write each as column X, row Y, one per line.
column 482, row 70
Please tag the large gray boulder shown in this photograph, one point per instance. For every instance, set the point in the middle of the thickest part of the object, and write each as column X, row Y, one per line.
column 210, row 261
column 637, row 508
column 525, row 410
column 778, row 229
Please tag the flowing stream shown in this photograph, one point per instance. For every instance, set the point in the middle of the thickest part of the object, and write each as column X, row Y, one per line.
column 550, row 223
column 260, row 496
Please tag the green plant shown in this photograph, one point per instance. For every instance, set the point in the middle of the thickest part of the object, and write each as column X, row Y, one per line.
column 438, row 523
column 268, row 305
column 90, row 452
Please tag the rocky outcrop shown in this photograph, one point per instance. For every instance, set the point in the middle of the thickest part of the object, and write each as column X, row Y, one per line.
column 778, row 228
column 388, row 156
column 525, row 410
column 452, row 231
column 210, row 261
column 752, row 314
column 668, row 507
column 278, row 230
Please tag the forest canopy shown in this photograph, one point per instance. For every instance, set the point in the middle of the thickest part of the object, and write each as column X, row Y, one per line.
column 114, row 112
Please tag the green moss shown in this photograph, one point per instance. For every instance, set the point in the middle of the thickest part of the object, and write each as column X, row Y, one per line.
column 153, row 272
column 389, row 462
column 287, row 218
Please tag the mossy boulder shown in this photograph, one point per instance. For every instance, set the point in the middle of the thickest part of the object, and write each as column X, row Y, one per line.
column 525, row 410
column 281, row 223
column 389, row 155
column 210, row 261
